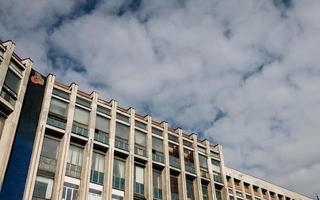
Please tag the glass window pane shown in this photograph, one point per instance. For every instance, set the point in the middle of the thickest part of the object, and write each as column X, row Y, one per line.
column 157, row 179
column 82, row 116
column 157, row 144
column 118, row 168
column 122, row 131
column 98, row 162
column 140, row 138
column 139, row 173
column 102, row 124
column 58, row 107
column 43, row 187
column 75, row 155
column 12, row 81
column 174, row 185
column 50, row 148
column 203, row 161
column 190, row 190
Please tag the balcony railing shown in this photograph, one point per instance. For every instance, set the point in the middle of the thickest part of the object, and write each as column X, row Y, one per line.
column 96, row 177
column 121, row 144
column 139, row 188
column 56, row 122
column 217, row 178
column 101, row 137
column 140, row 151
column 189, row 167
column 157, row 193
column 73, row 170
column 8, row 96
column 47, row 164
column 118, row 183
column 158, row 157
column 174, row 161
column 204, row 174
column 174, row 196
column 79, row 129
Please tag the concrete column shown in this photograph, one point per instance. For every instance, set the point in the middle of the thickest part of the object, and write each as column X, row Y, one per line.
column 225, row 195
column 11, row 123
column 166, row 179
column 197, row 167
column 183, row 181
column 107, row 187
column 86, row 169
column 149, row 180
column 212, row 190
column 6, row 61
column 129, row 183
column 36, row 151
column 65, row 143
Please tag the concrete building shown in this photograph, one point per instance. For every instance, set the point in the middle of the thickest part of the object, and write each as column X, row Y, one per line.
column 67, row 144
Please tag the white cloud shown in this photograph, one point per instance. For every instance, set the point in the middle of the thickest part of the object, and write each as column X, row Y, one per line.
column 188, row 61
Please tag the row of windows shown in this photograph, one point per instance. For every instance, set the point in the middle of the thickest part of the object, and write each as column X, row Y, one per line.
column 247, row 189
column 48, row 163
column 57, row 117
column 119, row 116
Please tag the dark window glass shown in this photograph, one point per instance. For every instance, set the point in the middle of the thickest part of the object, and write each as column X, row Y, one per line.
column 58, row 107
column 157, row 131
column 2, row 121
column 140, row 138
column 83, row 102
column 122, row 131
column 104, row 110
column 157, row 144
column 12, row 81
column 141, row 125
column 203, row 162
column 61, row 93
column 123, row 117
column 102, row 124
column 190, row 190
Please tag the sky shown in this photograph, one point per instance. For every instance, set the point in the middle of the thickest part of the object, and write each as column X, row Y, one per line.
column 242, row 73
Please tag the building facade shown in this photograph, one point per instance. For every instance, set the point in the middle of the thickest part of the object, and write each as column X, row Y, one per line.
column 67, row 144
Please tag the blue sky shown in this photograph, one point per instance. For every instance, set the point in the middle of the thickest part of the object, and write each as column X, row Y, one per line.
column 241, row 73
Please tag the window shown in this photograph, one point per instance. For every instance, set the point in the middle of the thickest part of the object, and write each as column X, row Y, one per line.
column 43, row 188
column 140, row 138
column 122, row 131
column 205, row 193
column 157, row 184
column 97, row 168
column 201, row 149
column 74, row 163
column 189, row 161
column 94, row 194
column 173, row 138
column 140, row 143
column 139, row 180
column 248, row 197
column 218, row 195
column 190, row 190
column 157, row 131
column 118, row 174
column 157, row 144
column 61, row 93
column 58, row 107
column 49, row 155
column 174, row 186
column 83, row 102
column 231, row 197
column 81, row 121
column 140, row 125
column 102, row 124
column 116, row 197
column 104, row 110
column 239, row 194
column 123, row 117
column 70, row 191
column 203, row 161
column 81, row 116
column 2, row 121
column 12, row 81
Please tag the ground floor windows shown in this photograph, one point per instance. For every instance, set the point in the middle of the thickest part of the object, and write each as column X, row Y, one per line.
column 43, row 188
column 70, row 191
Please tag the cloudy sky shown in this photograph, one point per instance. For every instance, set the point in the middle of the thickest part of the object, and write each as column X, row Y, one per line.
column 243, row 73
